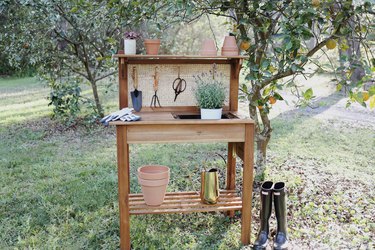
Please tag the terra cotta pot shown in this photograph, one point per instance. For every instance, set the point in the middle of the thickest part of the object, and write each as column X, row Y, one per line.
column 152, row 46
column 153, row 172
column 153, row 181
column 230, row 47
column 208, row 48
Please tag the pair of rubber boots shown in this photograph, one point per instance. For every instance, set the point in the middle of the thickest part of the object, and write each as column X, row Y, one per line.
column 276, row 192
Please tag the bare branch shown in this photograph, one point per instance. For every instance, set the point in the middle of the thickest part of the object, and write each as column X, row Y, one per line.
column 104, row 76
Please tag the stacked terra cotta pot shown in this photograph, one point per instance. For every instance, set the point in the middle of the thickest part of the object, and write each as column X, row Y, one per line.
column 229, row 46
column 153, row 180
column 208, row 48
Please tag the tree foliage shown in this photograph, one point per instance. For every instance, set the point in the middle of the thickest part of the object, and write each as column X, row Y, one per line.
column 281, row 38
column 72, row 41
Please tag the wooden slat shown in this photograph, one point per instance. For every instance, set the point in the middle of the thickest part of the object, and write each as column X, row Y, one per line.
column 170, row 133
column 191, row 57
column 185, row 202
column 222, row 192
column 171, row 198
column 186, row 210
column 157, row 118
column 178, row 61
column 181, row 201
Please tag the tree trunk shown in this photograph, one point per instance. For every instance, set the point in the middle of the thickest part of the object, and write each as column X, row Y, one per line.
column 262, row 137
column 262, row 142
column 98, row 105
column 353, row 54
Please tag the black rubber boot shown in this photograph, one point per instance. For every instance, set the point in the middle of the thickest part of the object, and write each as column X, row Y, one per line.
column 279, row 196
column 265, row 213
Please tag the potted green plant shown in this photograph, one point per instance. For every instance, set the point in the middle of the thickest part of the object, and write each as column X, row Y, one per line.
column 210, row 95
column 130, row 42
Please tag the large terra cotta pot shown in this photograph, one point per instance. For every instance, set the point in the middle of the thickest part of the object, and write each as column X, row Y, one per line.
column 153, row 180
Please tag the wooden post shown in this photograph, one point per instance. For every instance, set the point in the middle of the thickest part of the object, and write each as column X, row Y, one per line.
column 123, row 186
column 231, row 171
column 247, row 192
column 235, row 67
column 123, row 82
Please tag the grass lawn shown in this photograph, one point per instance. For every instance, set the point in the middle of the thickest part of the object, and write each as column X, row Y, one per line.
column 58, row 186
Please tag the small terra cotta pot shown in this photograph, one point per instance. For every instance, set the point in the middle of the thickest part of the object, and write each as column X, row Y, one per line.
column 208, row 48
column 229, row 52
column 230, row 47
column 153, row 172
column 153, row 181
column 152, row 46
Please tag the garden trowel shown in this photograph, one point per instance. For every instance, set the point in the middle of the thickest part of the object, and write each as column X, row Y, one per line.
column 136, row 95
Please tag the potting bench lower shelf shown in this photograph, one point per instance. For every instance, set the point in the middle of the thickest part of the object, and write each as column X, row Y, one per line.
column 185, row 202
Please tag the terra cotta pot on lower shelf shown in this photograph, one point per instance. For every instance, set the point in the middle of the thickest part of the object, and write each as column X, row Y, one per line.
column 153, row 180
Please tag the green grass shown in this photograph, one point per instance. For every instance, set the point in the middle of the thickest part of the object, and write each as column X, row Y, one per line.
column 59, row 186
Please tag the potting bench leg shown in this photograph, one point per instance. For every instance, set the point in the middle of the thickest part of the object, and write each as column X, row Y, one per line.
column 247, row 185
column 123, row 186
column 231, row 171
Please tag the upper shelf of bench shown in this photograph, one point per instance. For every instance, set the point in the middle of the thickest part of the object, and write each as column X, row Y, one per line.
column 191, row 57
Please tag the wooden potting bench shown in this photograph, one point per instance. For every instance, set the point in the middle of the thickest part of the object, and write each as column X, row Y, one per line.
column 166, row 125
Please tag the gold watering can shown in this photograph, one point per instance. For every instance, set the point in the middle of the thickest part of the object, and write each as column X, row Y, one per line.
column 210, row 186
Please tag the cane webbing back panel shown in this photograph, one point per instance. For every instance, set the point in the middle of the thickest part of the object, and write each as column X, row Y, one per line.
column 167, row 74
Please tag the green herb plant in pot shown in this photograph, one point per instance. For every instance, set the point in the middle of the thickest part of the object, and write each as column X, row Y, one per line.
column 210, row 95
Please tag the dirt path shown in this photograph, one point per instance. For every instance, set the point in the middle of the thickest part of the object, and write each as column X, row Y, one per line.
column 328, row 105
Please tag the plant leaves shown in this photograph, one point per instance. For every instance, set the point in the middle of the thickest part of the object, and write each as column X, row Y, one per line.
column 338, row 87
column 372, row 102
column 308, row 94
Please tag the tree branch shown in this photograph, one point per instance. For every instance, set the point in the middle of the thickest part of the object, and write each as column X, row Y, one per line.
column 104, row 76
